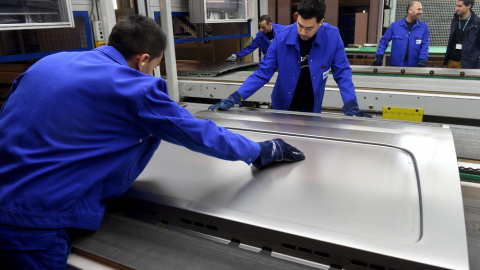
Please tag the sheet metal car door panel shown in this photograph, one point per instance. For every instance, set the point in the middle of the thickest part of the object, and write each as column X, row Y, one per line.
column 381, row 187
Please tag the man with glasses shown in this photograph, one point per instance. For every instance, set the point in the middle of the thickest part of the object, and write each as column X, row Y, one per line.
column 303, row 53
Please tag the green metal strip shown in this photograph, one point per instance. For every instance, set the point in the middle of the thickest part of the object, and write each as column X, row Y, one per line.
column 417, row 76
column 469, row 176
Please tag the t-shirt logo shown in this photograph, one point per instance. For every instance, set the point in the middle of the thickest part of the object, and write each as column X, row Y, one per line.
column 304, row 61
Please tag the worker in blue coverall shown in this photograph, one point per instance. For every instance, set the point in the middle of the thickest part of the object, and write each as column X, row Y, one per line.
column 79, row 127
column 263, row 39
column 303, row 53
column 410, row 40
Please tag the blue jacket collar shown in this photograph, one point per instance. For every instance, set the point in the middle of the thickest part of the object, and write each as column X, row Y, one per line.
column 113, row 54
column 275, row 28
column 404, row 22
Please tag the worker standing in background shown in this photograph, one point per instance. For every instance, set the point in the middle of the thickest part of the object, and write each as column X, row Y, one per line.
column 463, row 50
column 267, row 33
column 79, row 127
column 303, row 53
column 410, row 40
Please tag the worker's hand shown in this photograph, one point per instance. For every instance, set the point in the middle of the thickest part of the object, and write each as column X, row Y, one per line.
column 232, row 58
column 276, row 150
column 227, row 103
column 378, row 60
column 350, row 108
column 421, row 62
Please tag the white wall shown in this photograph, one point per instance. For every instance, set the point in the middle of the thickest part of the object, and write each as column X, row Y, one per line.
column 177, row 5
column 82, row 5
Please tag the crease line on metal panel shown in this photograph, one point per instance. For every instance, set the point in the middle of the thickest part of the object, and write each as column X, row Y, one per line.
column 412, row 156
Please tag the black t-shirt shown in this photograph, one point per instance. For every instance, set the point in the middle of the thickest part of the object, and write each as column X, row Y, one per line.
column 270, row 35
column 410, row 26
column 456, row 54
column 303, row 99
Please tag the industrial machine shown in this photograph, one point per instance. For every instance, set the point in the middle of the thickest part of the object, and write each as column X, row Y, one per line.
column 371, row 194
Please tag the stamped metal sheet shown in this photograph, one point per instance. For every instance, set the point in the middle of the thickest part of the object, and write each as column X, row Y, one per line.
column 384, row 187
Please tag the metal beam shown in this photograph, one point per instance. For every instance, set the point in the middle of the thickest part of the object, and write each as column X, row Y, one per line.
column 107, row 17
column 170, row 58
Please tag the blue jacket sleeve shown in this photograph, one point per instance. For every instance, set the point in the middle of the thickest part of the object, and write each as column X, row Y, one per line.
column 250, row 48
column 342, row 72
column 265, row 71
column 382, row 46
column 425, row 43
column 164, row 119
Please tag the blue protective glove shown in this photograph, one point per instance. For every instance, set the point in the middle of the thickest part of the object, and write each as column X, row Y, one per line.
column 227, row 103
column 421, row 62
column 276, row 150
column 378, row 60
column 350, row 108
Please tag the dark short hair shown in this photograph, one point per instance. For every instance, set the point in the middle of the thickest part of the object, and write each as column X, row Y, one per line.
column 265, row 18
column 468, row 2
column 308, row 9
column 137, row 34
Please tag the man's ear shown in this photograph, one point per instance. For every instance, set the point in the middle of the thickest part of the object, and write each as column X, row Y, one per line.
column 142, row 59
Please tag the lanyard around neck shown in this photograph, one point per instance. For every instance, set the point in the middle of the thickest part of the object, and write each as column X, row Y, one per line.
column 460, row 26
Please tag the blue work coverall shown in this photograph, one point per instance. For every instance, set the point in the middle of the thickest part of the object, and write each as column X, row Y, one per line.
column 77, row 129
column 417, row 42
column 328, row 52
column 261, row 41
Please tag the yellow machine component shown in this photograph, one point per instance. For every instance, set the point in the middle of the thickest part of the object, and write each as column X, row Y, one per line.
column 245, row 42
column 406, row 114
column 99, row 43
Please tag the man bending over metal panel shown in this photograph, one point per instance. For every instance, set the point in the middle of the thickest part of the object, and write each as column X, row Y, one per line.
column 79, row 127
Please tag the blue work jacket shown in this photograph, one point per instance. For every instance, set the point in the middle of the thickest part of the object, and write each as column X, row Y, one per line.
column 261, row 41
column 79, row 127
column 328, row 52
column 417, row 41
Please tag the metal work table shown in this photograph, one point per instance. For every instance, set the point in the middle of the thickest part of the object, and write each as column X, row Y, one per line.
column 452, row 97
column 382, row 80
column 433, row 52
column 396, row 185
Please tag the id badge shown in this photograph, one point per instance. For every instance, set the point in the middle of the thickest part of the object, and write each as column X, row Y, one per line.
column 325, row 74
column 458, row 46
column 419, row 41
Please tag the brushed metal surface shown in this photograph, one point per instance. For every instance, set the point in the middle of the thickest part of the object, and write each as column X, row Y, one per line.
column 384, row 187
